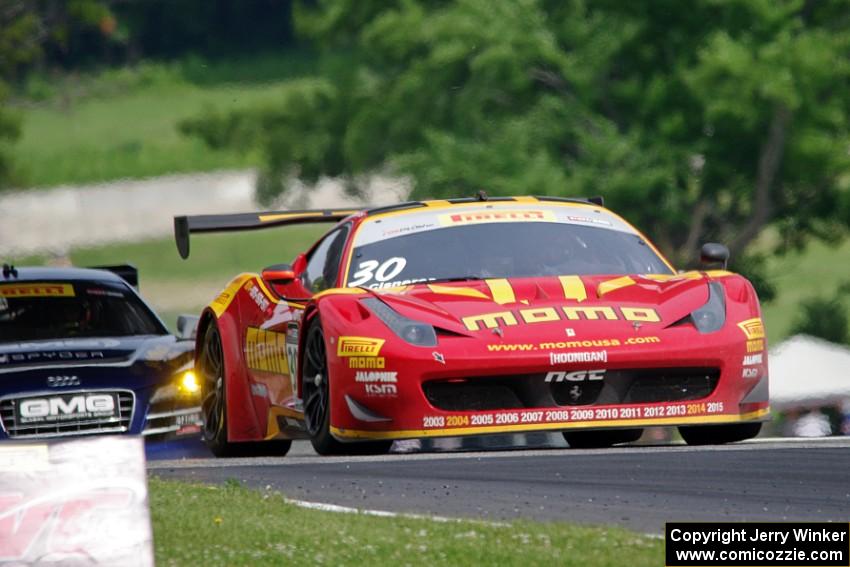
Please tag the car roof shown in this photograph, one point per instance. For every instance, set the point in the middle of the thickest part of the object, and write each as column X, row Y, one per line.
column 34, row 273
column 483, row 200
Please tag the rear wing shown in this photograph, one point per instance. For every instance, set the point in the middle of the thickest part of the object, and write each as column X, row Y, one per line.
column 186, row 225
column 126, row 272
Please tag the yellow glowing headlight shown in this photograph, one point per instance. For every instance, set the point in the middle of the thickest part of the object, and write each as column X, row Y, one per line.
column 189, row 383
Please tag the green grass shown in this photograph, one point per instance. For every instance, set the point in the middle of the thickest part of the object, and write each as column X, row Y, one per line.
column 231, row 525
column 818, row 271
column 123, row 123
column 212, row 256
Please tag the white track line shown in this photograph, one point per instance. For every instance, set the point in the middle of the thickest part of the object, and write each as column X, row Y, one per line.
column 321, row 506
column 383, row 513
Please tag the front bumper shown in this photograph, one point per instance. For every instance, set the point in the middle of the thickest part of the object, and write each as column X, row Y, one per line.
column 391, row 399
column 173, row 423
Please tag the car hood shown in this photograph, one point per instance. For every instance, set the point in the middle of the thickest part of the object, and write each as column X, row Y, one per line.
column 158, row 351
column 596, row 305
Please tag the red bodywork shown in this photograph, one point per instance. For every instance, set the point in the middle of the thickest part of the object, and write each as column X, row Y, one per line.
column 513, row 355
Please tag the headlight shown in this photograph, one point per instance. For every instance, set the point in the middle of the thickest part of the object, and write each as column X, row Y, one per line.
column 413, row 332
column 184, row 385
column 712, row 316
column 189, row 383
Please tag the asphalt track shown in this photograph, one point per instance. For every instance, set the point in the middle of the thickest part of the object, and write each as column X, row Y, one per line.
column 638, row 487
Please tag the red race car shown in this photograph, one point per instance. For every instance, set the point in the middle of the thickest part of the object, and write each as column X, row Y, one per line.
column 470, row 317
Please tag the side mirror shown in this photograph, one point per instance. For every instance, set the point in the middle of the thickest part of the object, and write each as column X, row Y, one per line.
column 299, row 263
column 279, row 274
column 713, row 253
column 187, row 326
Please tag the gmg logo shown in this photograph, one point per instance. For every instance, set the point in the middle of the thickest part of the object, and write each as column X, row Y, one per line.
column 41, row 408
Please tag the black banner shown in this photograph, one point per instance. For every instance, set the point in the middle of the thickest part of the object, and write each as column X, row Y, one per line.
column 807, row 544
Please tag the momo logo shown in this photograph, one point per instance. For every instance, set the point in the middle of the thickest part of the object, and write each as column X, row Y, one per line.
column 567, row 312
column 577, row 376
column 62, row 408
column 753, row 328
column 266, row 350
column 496, row 216
column 367, row 362
column 359, row 346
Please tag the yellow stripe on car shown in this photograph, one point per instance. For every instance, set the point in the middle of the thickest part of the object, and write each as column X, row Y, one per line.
column 462, row 291
column 573, row 288
column 602, row 424
column 501, row 291
column 613, row 285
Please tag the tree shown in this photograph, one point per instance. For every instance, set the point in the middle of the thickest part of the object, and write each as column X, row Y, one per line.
column 28, row 28
column 825, row 318
column 706, row 120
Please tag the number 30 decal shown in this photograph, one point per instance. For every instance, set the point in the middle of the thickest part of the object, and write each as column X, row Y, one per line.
column 381, row 272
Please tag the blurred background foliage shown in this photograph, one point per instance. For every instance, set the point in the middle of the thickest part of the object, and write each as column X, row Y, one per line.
column 711, row 120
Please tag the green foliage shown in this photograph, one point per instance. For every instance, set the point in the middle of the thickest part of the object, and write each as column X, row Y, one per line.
column 823, row 317
column 122, row 123
column 819, row 269
column 33, row 30
column 27, row 29
column 169, row 29
column 709, row 120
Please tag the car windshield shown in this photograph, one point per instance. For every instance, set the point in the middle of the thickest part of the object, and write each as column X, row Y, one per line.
column 32, row 311
column 501, row 250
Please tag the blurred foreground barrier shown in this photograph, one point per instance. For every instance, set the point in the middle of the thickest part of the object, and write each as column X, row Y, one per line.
column 75, row 503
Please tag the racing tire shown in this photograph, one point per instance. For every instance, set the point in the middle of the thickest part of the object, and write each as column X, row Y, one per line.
column 276, row 448
column 719, row 434
column 214, row 405
column 316, row 392
column 210, row 369
column 601, row 439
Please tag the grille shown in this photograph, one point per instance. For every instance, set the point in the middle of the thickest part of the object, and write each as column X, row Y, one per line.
column 171, row 420
column 472, row 394
column 118, row 423
column 671, row 385
column 533, row 391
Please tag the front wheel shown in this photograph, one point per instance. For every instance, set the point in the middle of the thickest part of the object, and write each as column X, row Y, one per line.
column 602, row 438
column 210, row 367
column 316, row 391
column 719, row 434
